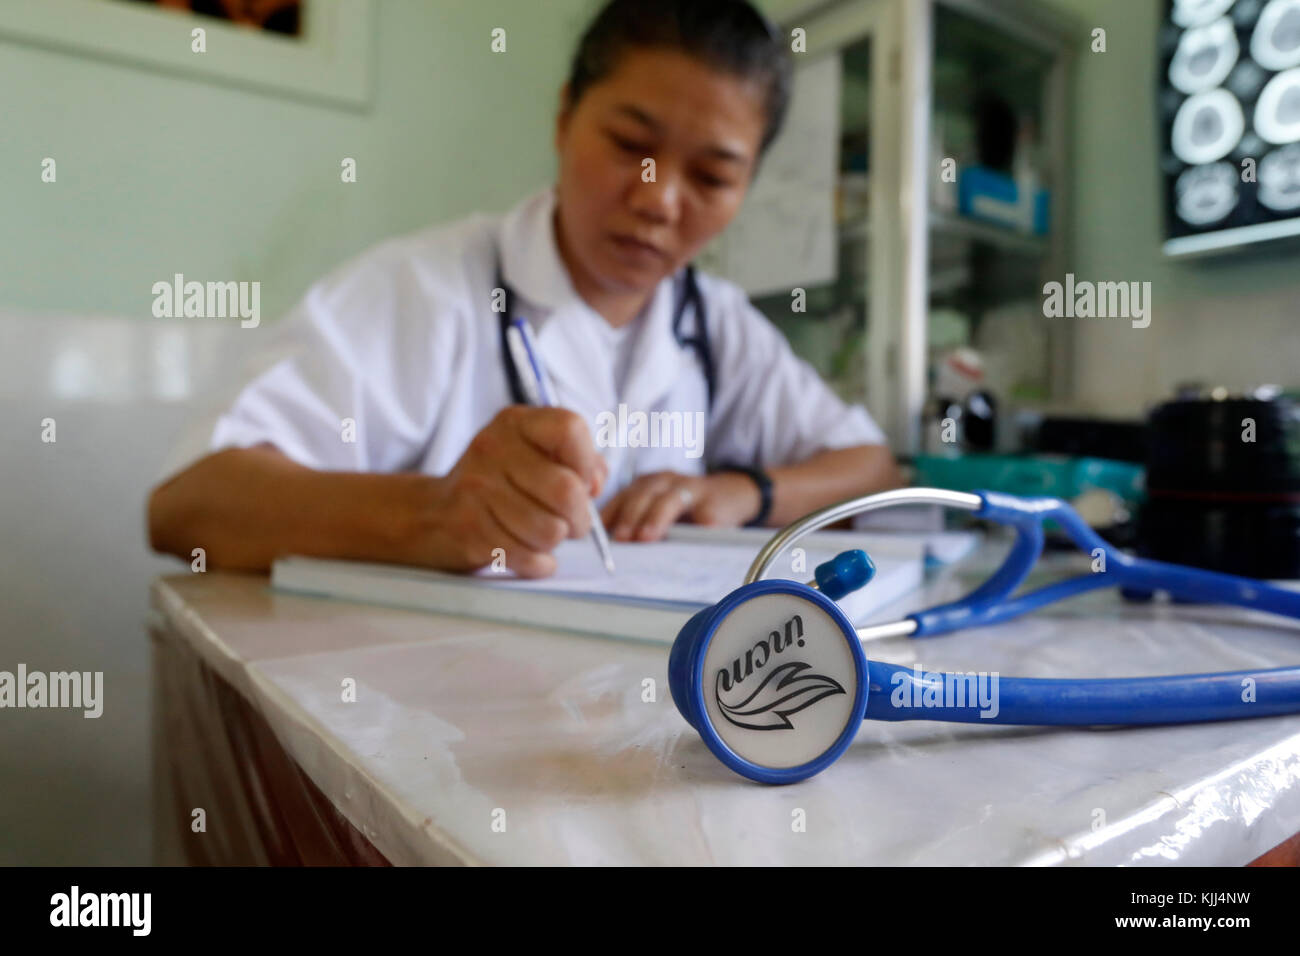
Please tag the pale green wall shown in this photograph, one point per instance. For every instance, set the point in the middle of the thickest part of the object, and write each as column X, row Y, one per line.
column 160, row 173
column 1118, row 209
column 1233, row 320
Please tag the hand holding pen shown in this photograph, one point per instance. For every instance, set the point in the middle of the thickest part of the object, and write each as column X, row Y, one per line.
column 537, row 388
column 522, row 486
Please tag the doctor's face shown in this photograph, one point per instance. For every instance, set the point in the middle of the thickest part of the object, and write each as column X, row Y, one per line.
column 624, row 222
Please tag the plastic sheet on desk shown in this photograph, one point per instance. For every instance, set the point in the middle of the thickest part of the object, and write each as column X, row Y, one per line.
column 213, row 752
column 457, row 721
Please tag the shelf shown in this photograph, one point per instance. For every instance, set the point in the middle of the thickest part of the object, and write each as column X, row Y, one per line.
column 961, row 227
column 955, row 226
column 949, row 281
column 855, row 230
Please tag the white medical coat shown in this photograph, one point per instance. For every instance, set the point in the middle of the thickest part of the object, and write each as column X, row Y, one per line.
column 399, row 351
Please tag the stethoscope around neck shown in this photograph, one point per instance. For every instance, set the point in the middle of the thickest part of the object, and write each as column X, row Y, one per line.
column 689, row 296
column 775, row 680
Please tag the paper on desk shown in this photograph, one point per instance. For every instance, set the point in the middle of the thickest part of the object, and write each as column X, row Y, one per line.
column 658, row 586
column 695, row 572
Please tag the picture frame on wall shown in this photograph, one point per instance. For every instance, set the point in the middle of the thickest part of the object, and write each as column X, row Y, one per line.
column 321, row 50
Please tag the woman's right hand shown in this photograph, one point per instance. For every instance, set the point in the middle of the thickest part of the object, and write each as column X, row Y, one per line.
column 522, row 485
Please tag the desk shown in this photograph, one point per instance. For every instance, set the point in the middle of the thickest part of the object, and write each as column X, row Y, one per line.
column 473, row 742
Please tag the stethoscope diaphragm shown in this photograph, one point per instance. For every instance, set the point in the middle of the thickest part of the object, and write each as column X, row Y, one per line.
column 773, row 678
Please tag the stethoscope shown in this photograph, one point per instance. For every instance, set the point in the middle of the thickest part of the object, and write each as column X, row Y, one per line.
column 775, row 680
column 690, row 296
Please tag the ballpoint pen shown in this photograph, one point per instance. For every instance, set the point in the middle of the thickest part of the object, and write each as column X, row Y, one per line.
column 536, row 388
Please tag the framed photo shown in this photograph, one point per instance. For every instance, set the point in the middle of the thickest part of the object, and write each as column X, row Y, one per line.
column 318, row 49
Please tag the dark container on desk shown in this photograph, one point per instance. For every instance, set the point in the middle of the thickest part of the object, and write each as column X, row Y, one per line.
column 1217, row 499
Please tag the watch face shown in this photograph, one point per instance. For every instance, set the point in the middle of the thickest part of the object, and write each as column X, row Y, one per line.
column 1229, row 107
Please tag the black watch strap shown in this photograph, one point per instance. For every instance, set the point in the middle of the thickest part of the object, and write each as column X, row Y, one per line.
column 764, row 482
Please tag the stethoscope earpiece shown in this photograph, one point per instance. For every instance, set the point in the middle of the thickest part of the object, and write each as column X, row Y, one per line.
column 845, row 573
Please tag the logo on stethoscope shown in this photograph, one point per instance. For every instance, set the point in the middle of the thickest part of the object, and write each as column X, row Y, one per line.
column 785, row 689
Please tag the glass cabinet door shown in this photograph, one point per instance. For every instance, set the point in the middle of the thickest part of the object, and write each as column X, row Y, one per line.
column 877, row 258
column 991, row 215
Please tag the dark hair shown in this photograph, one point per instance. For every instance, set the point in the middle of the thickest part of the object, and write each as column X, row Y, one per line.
column 728, row 35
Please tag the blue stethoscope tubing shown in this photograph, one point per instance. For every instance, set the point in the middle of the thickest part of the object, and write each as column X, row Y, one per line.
column 1173, row 699
column 991, row 601
column 1178, row 699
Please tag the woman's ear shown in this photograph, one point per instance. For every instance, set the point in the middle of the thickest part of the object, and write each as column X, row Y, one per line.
column 562, row 118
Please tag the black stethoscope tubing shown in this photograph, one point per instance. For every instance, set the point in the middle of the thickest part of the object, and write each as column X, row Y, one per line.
column 699, row 342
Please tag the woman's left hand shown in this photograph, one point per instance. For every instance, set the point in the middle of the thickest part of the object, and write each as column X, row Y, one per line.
column 646, row 508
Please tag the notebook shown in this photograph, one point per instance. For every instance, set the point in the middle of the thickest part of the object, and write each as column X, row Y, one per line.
column 657, row 587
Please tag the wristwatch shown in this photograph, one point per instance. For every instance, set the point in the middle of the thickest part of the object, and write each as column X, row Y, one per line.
column 764, row 482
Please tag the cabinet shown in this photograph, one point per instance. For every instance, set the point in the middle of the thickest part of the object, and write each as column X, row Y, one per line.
column 879, row 233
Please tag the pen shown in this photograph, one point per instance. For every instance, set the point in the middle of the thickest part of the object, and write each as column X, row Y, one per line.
column 520, row 339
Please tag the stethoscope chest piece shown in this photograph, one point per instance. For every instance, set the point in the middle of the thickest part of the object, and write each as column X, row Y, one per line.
column 773, row 678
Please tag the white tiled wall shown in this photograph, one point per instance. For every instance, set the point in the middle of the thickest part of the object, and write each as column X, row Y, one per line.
column 75, row 567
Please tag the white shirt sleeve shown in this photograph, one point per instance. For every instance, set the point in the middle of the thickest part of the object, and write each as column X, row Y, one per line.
column 771, row 407
column 364, row 357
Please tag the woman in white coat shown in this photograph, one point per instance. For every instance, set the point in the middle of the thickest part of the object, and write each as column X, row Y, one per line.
column 394, row 428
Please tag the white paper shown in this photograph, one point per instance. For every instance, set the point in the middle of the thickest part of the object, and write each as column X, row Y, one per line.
column 702, row 572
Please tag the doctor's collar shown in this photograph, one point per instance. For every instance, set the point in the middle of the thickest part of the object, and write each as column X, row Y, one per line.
column 530, row 257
